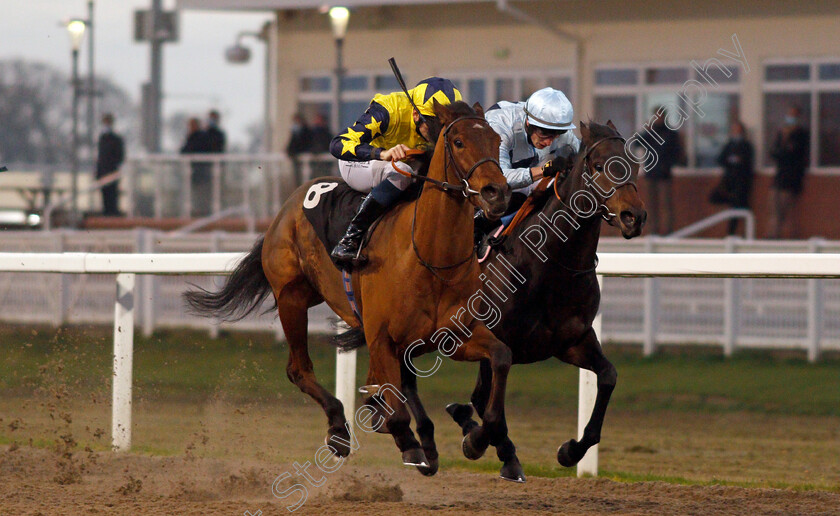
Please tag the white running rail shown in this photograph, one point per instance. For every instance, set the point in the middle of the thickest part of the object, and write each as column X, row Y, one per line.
column 125, row 266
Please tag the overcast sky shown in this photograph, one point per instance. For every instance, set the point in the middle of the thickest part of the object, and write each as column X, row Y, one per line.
column 196, row 76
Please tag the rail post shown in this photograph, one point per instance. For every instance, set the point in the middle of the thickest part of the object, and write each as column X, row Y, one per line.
column 651, row 304
column 731, row 305
column 345, row 377
column 815, row 307
column 123, row 359
column 587, row 392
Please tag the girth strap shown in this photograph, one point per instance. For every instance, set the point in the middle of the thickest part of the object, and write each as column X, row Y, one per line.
column 351, row 296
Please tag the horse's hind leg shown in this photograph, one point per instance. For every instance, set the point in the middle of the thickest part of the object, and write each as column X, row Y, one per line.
column 425, row 426
column 462, row 414
column 292, row 304
column 587, row 354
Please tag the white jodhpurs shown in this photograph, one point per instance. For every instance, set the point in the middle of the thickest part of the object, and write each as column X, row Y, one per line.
column 362, row 176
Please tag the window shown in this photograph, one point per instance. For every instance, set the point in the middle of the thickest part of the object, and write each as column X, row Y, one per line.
column 317, row 95
column 629, row 95
column 813, row 87
column 489, row 88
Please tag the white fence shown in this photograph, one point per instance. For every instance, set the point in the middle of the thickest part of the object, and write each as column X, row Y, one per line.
column 731, row 313
column 125, row 266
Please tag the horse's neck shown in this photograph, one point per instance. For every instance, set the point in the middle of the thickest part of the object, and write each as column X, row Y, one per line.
column 578, row 250
column 443, row 225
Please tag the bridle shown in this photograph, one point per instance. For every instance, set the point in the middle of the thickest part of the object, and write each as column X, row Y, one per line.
column 446, row 186
column 602, row 207
column 463, row 184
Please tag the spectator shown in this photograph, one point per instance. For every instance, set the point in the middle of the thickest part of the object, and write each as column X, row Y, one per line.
column 790, row 151
column 110, row 155
column 216, row 140
column 665, row 142
column 737, row 159
column 300, row 141
column 198, row 142
column 320, row 138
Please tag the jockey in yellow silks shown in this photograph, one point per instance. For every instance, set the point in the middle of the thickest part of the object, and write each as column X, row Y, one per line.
column 386, row 130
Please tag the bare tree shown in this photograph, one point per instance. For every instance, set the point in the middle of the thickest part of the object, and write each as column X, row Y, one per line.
column 36, row 112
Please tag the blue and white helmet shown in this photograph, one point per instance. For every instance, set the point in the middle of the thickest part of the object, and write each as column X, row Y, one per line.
column 550, row 109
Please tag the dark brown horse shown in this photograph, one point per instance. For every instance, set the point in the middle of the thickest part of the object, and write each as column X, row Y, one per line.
column 420, row 275
column 553, row 294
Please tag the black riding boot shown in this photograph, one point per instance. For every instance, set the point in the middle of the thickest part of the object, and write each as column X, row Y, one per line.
column 482, row 229
column 345, row 252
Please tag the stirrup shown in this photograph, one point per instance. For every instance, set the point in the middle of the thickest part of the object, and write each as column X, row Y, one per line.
column 484, row 248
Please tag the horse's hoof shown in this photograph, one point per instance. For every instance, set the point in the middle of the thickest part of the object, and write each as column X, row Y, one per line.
column 512, row 471
column 566, row 455
column 339, row 450
column 460, row 413
column 415, row 457
column 430, row 469
column 470, row 451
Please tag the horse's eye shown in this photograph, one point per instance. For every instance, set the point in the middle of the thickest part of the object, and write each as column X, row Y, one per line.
column 599, row 167
column 458, row 143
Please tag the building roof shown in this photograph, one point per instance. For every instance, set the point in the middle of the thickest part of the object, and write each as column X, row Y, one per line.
column 273, row 5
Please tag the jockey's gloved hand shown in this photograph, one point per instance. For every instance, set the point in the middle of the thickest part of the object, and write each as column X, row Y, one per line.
column 553, row 166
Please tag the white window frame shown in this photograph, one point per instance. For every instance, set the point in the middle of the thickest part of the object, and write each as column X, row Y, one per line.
column 491, row 76
column 640, row 89
column 813, row 86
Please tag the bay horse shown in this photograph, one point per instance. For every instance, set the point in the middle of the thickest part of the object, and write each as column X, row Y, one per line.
column 420, row 274
column 553, row 252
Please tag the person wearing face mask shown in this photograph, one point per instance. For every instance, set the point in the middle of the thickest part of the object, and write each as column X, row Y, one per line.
column 736, row 158
column 790, row 151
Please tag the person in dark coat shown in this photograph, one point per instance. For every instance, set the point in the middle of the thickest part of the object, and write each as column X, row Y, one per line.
column 737, row 160
column 216, row 139
column 198, row 142
column 109, row 157
column 790, row 151
column 320, row 138
column 669, row 151
column 300, row 141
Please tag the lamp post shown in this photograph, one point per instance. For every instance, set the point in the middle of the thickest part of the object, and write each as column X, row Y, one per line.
column 240, row 54
column 339, row 18
column 76, row 29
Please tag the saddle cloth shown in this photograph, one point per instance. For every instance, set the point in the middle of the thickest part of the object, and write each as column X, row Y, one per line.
column 329, row 205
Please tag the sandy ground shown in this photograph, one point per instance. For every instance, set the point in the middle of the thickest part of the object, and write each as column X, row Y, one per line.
column 38, row 481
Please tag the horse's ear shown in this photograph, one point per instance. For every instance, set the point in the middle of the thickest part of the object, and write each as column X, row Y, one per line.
column 612, row 125
column 478, row 109
column 443, row 113
column 584, row 131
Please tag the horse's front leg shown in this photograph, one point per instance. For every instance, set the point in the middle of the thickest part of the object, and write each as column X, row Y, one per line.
column 587, row 354
column 385, row 367
column 424, row 424
column 462, row 414
column 493, row 430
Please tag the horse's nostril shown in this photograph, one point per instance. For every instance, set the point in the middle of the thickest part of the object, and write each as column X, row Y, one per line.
column 628, row 218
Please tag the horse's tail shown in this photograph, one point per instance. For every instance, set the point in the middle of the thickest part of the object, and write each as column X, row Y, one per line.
column 243, row 292
column 349, row 340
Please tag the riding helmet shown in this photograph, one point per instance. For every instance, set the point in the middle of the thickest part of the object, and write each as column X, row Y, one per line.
column 550, row 109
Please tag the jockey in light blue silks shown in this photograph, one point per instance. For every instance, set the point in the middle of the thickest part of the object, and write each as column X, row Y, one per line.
column 533, row 132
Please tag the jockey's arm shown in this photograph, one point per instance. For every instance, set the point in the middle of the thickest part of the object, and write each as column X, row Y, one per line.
column 354, row 143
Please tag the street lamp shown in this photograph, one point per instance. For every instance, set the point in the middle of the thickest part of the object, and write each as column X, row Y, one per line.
column 76, row 29
column 240, row 54
column 339, row 18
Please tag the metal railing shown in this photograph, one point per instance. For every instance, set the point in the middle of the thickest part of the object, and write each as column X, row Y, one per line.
column 717, row 218
column 199, row 185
